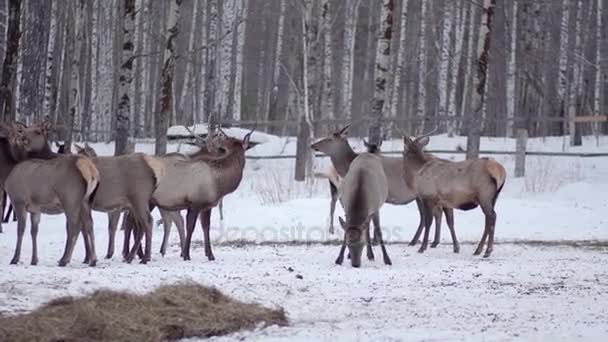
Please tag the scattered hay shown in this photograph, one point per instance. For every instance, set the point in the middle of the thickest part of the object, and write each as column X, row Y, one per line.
column 168, row 313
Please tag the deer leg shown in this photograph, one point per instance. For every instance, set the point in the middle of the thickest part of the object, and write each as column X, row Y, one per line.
column 332, row 206
column 370, row 251
column 191, row 216
column 179, row 223
column 128, row 227
column 113, row 218
column 147, row 219
column 376, row 222
column 22, row 219
column 221, row 209
column 428, row 218
column 340, row 257
column 490, row 214
column 73, row 229
column 206, row 223
column 437, row 216
column 88, row 232
column 165, row 217
column 2, row 208
column 35, row 222
column 420, row 206
column 449, row 218
column 378, row 232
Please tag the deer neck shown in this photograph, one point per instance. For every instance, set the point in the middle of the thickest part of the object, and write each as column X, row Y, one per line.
column 342, row 158
column 228, row 171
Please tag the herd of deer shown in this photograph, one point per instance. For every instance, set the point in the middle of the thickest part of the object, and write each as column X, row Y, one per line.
column 38, row 180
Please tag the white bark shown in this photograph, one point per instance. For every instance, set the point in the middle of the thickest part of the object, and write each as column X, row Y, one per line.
column 243, row 8
column 123, row 114
column 395, row 93
column 188, row 87
column 225, row 53
column 327, row 97
column 50, row 50
column 348, row 53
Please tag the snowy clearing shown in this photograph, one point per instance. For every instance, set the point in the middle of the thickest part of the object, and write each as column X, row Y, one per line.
column 536, row 286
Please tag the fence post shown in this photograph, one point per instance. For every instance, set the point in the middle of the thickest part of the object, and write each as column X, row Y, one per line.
column 302, row 150
column 520, row 152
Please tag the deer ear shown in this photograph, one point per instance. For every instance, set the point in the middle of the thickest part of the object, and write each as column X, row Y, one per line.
column 365, row 143
column 342, row 222
column 79, row 149
column 246, row 141
column 380, row 143
column 344, row 131
column 423, row 141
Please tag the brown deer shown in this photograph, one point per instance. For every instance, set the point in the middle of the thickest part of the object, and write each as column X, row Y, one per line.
column 50, row 186
column 363, row 191
column 461, row 185
column 198, row 183
column 336, row 146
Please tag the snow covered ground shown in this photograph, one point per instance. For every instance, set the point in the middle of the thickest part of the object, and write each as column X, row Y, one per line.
column 547, row 278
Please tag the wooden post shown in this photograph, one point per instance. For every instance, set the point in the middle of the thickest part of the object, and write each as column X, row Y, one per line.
column 520, row 150
column 302, row 151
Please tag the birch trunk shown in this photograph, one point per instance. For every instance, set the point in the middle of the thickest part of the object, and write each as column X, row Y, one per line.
column 3, row 21
column 474, row 131
column 348, row 56
column 9, row 65
column 276, row 70
column 237, row 79
column 497, row 87
column 211, row 69
column 162, row 118
column 383, row 54
column 75, row 36
column 123, row 114
column 225, row 59
column 327, row 98
column 188, row 77
column 397, row 80
column 50, row 52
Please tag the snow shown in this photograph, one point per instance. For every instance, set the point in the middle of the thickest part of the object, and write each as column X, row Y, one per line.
column 546, row 280
column 235, row 132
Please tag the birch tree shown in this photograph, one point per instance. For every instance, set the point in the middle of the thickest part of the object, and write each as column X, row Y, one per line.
column 75, row 38
column 348, row 52
column 327, row 97
column 9, row 66
column 50, row 53
column 276, row 69
column 497, row 87
column 397, row 84
column 474, row 119
column 383, row 54
column 162, row 118
column 123, row 114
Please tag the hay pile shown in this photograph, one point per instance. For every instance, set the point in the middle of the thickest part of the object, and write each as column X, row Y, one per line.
column 169, row 313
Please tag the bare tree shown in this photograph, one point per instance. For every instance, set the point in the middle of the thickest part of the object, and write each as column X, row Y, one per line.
column 327, row 109
column 9, row 67
column 75, row 39
column 123, row 114
column 383, row 53
column 166, row 96
column 348, row 52
column 496, row 110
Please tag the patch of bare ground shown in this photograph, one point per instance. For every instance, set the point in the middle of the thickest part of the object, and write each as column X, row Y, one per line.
column 170, row 312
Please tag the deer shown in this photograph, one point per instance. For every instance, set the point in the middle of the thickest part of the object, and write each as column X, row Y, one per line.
column 198, row 183
column 463, row 185
column 336, row 146
column 363, row 191
column 61, row 184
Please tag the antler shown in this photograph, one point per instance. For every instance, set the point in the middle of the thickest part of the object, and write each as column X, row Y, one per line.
column 200, row 141
column 428, row 133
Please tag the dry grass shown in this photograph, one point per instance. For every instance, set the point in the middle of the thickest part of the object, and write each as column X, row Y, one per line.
column 169, row 313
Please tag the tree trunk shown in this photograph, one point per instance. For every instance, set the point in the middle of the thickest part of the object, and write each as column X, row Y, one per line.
column 75, row 36
column 383, row 54
column 432, row 34
column 551, row 64
column 327, row 98
column 49, row 82
column 162, row 118
column 474, row 131
column 211, row 85
column 464, row 65
column 9, row 66
column 603, row 64
column 496, row 109
column 412, row 69
column 348, row 56
column 3, row 20
column 276, row 70
column 395, row 98
column 123, row 114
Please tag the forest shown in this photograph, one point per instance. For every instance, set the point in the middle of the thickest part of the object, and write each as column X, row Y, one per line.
column 126, row 69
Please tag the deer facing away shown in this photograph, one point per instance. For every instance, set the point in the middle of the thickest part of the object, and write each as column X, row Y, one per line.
column 63, row 184
column 363, row 191
column 461, row 185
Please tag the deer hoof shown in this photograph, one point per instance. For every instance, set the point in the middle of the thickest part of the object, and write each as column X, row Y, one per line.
column 370, row 256
column 34, row 262
column 387, row 260
column 339, row 261
column 62, row 263
column 93, row 263
column 457, row 249
column 477, row 252
column 14, row 261
column 434, row 244
column 421, row 250
column 108, row 256
column 412, row 243
column 211, row 257
column 186, row 258
column 162, row 252
column 487, row 253
column 331, row 230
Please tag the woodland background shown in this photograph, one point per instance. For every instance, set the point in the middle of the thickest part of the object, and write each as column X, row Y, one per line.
column 124, row 69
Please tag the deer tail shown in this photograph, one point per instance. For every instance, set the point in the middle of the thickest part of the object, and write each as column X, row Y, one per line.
column 90, row 174
column 498, row 174
column 157, row 167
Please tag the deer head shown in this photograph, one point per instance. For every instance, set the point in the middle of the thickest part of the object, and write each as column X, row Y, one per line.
column 85, row 150
column 332, row 142
column 372, row 148
column 25, row 140
column 355, row 238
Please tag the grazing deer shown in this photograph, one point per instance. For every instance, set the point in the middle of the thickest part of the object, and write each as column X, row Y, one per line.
column 445, row 184
column 198, row 183
column 363, row 191
column 336, row 146
column 51, row 186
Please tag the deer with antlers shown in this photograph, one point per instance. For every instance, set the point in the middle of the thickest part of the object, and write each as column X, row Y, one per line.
column 460, row 185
